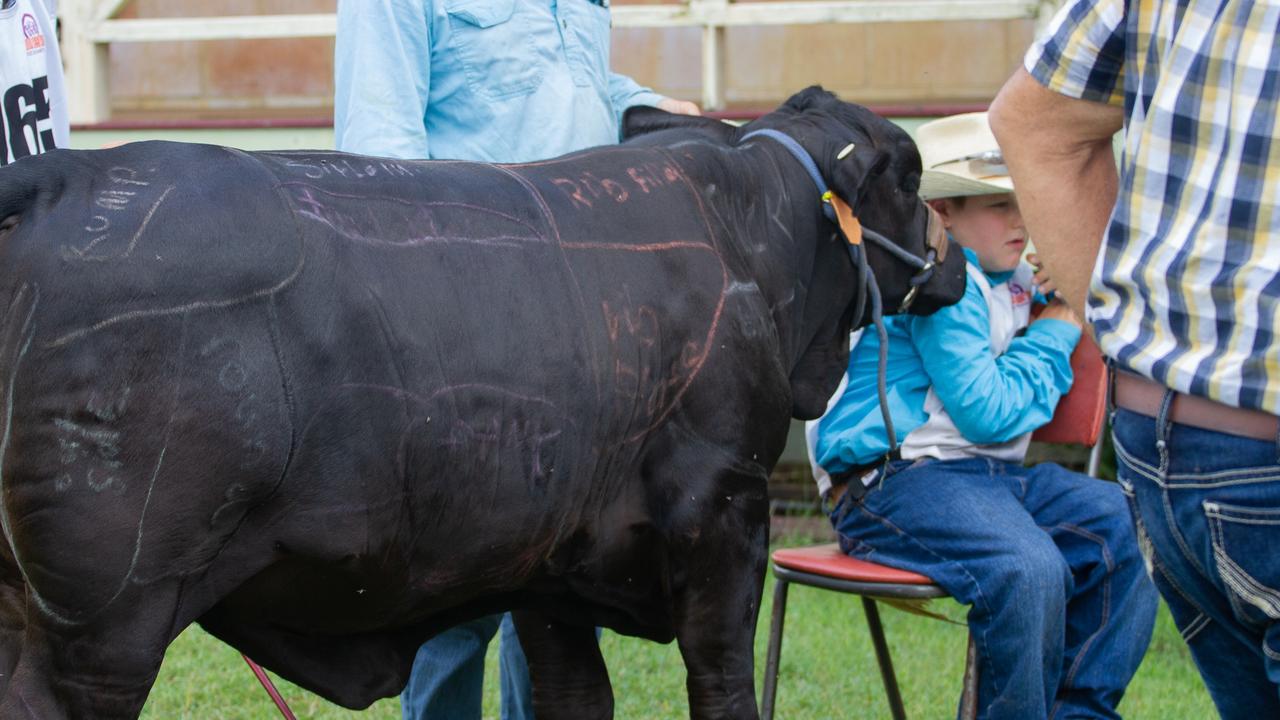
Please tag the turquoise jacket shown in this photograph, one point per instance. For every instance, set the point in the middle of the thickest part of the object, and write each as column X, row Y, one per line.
column 992, row 399
column 487, row 80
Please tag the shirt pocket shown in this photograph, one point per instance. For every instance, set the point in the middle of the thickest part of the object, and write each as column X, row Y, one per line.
column 493, row 48
column 586, row 38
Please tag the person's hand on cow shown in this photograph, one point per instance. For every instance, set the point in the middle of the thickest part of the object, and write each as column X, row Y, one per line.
column 679, row 107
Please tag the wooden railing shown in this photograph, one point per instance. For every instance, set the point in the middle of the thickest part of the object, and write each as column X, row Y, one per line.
column 91, row 26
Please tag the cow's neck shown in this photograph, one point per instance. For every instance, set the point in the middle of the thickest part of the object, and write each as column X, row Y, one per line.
column 784, row 242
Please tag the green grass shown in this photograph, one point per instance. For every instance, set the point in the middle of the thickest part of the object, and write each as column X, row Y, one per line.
column 828, row 670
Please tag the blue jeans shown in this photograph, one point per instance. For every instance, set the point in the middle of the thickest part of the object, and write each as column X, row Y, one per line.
column 1061, row 607
column 1207, row 507
column 448, row 674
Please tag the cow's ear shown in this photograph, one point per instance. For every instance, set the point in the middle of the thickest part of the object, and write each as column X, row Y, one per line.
column 855, row 172
column 811, row 98
column 642, row 119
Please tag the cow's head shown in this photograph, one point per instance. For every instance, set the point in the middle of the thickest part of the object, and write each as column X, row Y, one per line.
column 875, row 167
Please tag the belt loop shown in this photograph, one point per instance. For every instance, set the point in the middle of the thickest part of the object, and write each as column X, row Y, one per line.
column 1111, row 390
column 1164, row 429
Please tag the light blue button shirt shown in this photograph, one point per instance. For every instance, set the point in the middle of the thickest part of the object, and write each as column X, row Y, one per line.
column 488, row 80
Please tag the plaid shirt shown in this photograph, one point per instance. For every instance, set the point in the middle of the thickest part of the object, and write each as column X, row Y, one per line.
column 1187, row 287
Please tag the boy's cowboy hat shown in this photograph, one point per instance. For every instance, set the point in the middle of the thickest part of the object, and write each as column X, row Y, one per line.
column 960, row 157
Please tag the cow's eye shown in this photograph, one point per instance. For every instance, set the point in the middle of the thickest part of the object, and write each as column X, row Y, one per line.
column 911, row 183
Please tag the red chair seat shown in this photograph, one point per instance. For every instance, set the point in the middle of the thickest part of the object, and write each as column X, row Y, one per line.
column 829, row 561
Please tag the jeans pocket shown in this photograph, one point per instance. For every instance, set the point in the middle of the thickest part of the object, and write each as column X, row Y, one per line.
column 1244, row 541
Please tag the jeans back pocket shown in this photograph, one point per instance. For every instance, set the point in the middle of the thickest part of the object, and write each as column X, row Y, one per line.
column 1244, row 541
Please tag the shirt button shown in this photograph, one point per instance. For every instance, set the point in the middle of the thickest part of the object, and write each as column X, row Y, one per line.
column 564, row 24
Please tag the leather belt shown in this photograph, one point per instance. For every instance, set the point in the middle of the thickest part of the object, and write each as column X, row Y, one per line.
column 837, row 492
column 841, row 481
column 1143, row 396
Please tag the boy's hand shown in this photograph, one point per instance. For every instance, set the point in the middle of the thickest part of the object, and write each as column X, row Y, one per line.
column 1059, row 310
column 1043, row 282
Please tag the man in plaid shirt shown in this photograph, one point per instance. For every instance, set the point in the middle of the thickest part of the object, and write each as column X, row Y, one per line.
column 1178, row 257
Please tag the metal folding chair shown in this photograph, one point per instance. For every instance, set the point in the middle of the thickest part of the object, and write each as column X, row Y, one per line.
column 1078, row 419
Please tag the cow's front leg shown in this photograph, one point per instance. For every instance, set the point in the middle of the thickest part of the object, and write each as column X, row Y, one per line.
column 566, row 668
column 716, row 608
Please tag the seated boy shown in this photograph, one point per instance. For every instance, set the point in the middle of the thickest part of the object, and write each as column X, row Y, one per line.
column 1062, row 608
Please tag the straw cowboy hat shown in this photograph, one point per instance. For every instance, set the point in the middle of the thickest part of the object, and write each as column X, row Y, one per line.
column 961, row 157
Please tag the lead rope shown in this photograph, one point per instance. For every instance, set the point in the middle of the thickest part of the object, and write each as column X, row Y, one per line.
column 270, row 687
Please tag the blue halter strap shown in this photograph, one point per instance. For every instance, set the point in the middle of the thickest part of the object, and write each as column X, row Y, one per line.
column 803, row 157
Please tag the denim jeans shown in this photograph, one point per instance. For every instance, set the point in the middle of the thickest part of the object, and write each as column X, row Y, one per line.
column 1061, row 607
column 448, row 674
column 1207, row 507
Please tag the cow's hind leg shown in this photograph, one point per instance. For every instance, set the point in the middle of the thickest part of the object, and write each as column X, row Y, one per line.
column 566, row 668
column 100, row 669
column 13, row 614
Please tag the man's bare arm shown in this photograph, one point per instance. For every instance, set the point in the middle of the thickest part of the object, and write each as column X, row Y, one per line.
column 1059, row 154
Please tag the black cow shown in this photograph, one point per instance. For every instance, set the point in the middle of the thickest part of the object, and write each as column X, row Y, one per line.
column 328, row 405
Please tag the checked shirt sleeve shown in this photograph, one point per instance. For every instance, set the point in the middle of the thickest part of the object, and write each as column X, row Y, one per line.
column 1082, row 53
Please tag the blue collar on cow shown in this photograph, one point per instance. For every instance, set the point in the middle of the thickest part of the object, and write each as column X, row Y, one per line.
column 803, row 157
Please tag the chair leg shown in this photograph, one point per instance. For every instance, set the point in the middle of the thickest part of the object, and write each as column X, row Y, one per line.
column 969, row 698
column 773, row 657
column 883, row 658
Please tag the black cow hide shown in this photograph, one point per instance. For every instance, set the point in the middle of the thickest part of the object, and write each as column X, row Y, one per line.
column 328, row 405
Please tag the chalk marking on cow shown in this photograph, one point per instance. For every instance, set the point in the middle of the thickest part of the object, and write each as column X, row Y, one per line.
column 579, row 200
column 114, row 199
column 783, row 198
column 497, row 430
column 549, row 218
column 307, row 205
column 315, row 165
column 178, row 310
column 402, row 393
column 647, row 177
column 82, row 253
column 105, row 444
column 695, row 362
column 114, row 175
column 694, row 365
column 155, row 473
column 233, row 377
column 25, row 336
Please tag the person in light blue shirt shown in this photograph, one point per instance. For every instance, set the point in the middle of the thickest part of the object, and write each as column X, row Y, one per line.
column 1061, row 607
column 492, row 81
column 487, row 80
